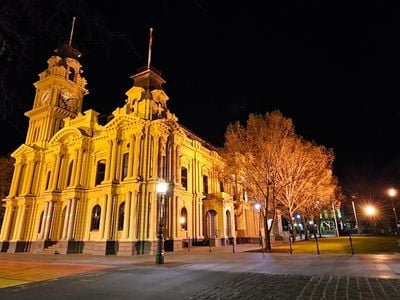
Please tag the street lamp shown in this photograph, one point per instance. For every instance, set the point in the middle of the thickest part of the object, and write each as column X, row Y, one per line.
column 161, row 189
column 371, row 212
column 392, row 193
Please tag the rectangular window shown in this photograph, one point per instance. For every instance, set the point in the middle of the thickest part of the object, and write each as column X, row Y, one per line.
column 69, row 177
column 101, row 170
column 184, row 178
column 125, row 159
column 205, row 184
column 221, row 186
column 48, row 180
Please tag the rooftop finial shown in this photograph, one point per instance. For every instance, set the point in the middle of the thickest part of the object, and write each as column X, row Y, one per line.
column 150, row 43
column 72, row 31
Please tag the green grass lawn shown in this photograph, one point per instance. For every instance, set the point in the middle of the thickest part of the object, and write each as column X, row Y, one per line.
column 341, row 245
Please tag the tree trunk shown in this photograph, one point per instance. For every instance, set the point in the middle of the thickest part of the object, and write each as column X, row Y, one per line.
column 305, row 223
column 293, row 232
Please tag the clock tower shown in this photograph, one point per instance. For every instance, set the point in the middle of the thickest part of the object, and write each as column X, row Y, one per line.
column 59, row 94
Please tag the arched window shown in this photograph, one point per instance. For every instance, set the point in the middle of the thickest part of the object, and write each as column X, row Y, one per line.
column 183, row 219
column 71, row 75
column 121, row 216
column 96, row 213
column 71, row 164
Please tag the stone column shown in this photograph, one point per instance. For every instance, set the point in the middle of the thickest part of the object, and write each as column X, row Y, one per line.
column 113, row 160
column 27, row 180
column 201, row 219
column 102, row 217
column 71, row 219
column 65, row 225
column 133, row 216
column 178, row 164
column 108, row 163
column 5, row 231
column 15, row 180
column 127, row 213
column 79, row 168
column 131, row 156
column 48, row 220
column 108, row 217
column 19, row 226
column 136, row 161
column 74, row 167
column 54, row 173
column 43, row 220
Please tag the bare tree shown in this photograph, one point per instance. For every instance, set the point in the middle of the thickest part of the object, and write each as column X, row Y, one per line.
column 320, row 201
column 27, row 25
column 6, row 173
column 253, row 154
column 307, row 174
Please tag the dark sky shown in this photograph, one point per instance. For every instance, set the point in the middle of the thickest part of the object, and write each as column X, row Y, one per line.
column 333, row 68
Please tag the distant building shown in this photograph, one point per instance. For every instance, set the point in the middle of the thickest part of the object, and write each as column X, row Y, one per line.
column 80, row 186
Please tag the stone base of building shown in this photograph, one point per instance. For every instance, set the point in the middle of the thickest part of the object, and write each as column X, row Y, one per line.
column 70, row 247
column 18, row 246
column 100, row 247
column 247, row 240
column 39, row 246
column 228, row 241
column 130, row 248
column 4, row 246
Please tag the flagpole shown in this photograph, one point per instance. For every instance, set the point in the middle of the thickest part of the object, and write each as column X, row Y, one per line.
column 150, row 44
column 72, row 31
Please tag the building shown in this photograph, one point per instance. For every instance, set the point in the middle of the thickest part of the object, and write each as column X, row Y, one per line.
column 80, row 186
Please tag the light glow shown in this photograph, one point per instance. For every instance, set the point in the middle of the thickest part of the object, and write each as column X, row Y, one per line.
column 162, row 187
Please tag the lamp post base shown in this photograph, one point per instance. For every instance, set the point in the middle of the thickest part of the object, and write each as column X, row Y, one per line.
column 159, row 259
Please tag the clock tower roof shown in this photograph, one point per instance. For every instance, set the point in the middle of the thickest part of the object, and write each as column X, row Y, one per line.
column 66, row 50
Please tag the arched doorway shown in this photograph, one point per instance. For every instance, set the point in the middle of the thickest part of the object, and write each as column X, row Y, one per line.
column 211, row 222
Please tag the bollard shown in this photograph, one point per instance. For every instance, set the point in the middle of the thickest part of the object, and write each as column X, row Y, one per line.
column 351, row 244
column 316, row 241
column 290, row 244
column 233, row 245
column 188, row 244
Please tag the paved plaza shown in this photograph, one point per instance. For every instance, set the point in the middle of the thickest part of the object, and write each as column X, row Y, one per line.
column 201, row 274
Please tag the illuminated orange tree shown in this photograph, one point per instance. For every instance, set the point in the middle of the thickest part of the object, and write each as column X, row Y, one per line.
column 253, row 153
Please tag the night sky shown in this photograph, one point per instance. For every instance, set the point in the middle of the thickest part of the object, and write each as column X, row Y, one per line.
column 333, row 68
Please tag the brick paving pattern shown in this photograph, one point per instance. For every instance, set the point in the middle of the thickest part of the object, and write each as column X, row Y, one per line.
column 271, row 286
column 21, row 272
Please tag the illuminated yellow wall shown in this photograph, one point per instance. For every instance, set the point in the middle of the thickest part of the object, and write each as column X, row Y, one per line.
column 54, row 194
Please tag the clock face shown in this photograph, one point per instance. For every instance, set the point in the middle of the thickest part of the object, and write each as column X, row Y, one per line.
column 68, row 102
column 45, row 97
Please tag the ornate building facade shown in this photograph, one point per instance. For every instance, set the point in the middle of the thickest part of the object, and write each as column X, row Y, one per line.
column 80, row 186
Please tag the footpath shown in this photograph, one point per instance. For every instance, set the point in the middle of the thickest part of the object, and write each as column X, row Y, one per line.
column 201, row 274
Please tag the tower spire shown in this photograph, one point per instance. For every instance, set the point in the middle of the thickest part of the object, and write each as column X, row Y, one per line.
column 72, row 31
column 150, row 44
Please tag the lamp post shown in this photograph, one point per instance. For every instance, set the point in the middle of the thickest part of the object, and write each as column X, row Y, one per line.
column 392, row 193
column 355, row 214
column 257, row 206
column 161, row 189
